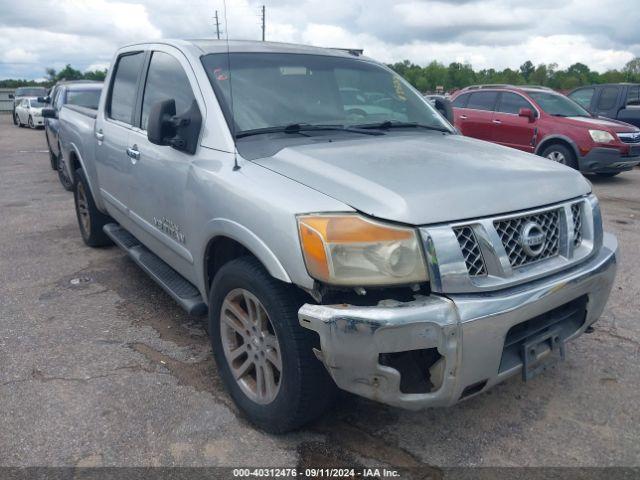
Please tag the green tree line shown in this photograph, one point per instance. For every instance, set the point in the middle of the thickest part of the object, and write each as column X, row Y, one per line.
column 458, row 75
column 53, row 76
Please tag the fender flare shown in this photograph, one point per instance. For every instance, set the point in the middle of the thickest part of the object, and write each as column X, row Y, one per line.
column 550, row 138
column 223, row 227
column 73, row 148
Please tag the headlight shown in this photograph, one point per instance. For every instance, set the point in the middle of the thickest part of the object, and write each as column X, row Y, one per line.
column 348, row 249
column 601, row 136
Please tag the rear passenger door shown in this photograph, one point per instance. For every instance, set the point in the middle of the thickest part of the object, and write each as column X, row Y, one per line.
column 510, row 129
column 161, row 172
column 476, row 119
column 113, row 127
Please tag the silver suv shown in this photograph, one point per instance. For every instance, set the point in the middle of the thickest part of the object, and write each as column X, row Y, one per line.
column 334, row 226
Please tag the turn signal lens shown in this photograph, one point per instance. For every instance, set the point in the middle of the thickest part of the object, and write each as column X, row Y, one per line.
column 352, row 250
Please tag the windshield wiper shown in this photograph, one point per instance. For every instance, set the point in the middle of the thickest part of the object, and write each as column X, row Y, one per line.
column 388, row 124
column 304, row 127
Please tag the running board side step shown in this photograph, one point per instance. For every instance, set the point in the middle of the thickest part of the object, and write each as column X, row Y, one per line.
column 182, row 291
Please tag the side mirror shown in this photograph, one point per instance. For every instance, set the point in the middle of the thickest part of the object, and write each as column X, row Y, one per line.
column 46, row 99
column 181, row 132
column 527, row 113
column 445, row 107
column 49, row 113
column 11, row 96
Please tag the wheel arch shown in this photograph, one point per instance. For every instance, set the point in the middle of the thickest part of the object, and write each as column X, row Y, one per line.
column 558, row 139
column 228, row 240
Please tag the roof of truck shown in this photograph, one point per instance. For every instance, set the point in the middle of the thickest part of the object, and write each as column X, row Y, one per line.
column 206, row 46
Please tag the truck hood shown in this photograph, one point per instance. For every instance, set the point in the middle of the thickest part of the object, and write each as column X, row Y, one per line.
column 601, row 123
column 427, row 178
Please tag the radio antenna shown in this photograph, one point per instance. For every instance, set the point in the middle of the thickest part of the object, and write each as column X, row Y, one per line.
column 236, row 166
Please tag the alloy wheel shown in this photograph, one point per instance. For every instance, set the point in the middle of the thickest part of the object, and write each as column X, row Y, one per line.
column 557, row 157
column 250, row 345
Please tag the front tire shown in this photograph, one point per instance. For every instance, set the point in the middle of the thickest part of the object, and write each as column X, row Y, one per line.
column 90, row 219
column 607, row 174
column 52, row 156
column 15, row 118
column 264, row 356
column 561, row 154
column 30, row 122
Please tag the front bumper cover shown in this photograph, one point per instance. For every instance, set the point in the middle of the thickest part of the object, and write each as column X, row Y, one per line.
column 468, row 331
column 607, row 160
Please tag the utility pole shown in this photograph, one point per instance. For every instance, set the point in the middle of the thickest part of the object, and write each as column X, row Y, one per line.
column 217, row 25
column 263, row 15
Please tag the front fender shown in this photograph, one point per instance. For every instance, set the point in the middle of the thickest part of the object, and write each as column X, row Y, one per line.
column 222, row 227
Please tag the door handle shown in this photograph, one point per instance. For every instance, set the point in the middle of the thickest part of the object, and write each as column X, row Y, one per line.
column 133, row 153
column 463, row 117
column 497, row 122
column 99, row 135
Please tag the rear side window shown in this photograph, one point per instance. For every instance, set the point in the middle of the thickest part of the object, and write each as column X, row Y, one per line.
column 125, row 83
column 633, row 98
column 84, row 98
column 583, row 96
column 608, row 98
column 512, row 103
column 166, row 80
column 461, row 100
column 482, row 100
column 57, row 100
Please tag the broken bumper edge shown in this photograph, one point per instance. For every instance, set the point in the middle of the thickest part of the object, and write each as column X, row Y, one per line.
column 467, row 330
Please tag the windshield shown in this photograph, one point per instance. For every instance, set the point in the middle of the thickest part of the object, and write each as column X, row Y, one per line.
column 36, row 104
column 30, row 92
column 556, row 104
column 278, row 89
column 84, row 98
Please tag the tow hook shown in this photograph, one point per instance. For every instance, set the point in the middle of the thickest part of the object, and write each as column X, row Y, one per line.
column 589, row 329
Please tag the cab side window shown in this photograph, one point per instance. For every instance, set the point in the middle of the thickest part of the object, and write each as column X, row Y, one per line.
column 125, row 86
column 608, row 98
column 166, row 80
column 512, row 103
column 583, row 97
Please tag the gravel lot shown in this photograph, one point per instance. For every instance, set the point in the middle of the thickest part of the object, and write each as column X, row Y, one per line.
column 98, row 366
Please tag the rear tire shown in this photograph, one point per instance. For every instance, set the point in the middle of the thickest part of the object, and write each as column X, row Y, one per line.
column 66, row 182
column 560, row 153
column 90, row 219
column 302, row 389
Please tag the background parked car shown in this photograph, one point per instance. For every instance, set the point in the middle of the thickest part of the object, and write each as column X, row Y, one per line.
column 81, row 92
column 29, row 112
column 617, row 100
column 539, row 120
column 23, row 92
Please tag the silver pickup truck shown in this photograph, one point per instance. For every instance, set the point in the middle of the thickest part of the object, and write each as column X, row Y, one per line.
column 336, row 228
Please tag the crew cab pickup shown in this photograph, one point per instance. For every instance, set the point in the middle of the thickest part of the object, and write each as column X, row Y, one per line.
column 619, row 101
column 375, row 250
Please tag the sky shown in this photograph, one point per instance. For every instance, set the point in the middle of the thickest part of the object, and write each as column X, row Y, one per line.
column 604, row 34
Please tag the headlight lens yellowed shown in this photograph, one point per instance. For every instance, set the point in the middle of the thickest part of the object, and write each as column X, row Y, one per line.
column 601, row 136
column 352, row 250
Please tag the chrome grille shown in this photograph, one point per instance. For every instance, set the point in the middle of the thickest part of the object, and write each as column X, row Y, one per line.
column 471, row 251
column 509, row 231
column 576, row 213
column 631, row 137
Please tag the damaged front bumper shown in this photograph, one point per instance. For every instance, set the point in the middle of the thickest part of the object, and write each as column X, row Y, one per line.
column 463, row 343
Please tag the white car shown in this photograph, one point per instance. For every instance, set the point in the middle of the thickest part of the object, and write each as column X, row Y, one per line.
column 29, row 112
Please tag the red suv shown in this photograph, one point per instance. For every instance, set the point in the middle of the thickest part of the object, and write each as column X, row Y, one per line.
column 539, row 120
